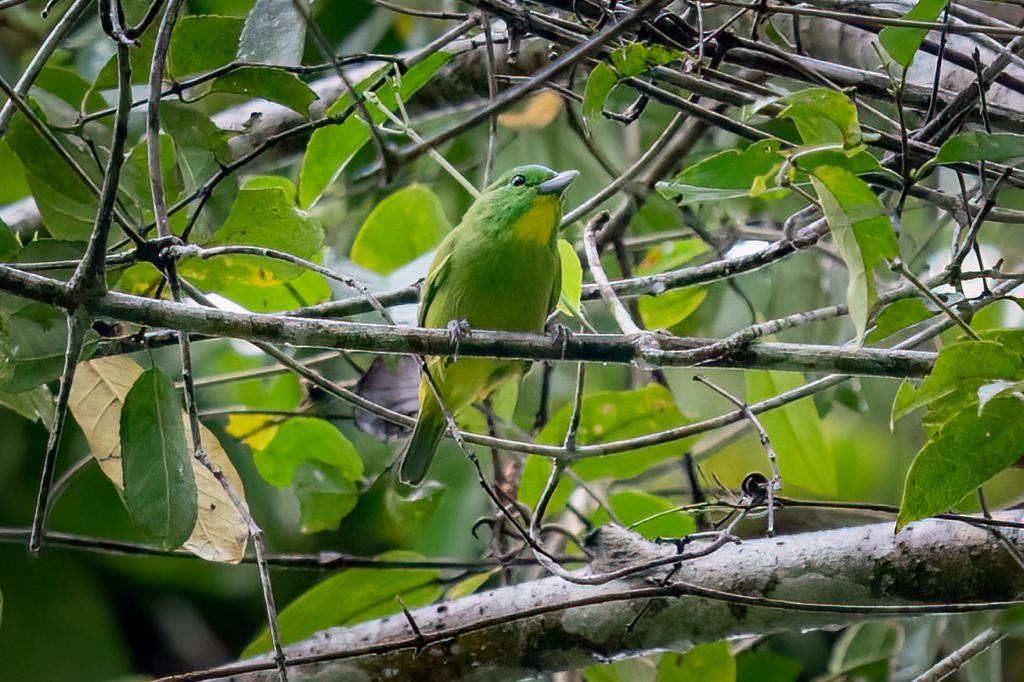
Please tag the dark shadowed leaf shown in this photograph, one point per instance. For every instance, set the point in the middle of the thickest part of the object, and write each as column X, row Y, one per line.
column 765, row 666
column 159, row 486
column 403, row 226
column 202, row 43
column 392, row 382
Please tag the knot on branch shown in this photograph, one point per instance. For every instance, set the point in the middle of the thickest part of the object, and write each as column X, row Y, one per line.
column 159, row 252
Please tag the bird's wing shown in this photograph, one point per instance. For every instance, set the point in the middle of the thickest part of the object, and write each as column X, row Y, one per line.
column 436, row 277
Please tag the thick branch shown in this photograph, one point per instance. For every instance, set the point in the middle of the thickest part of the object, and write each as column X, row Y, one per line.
column 810, row 580
column 382, row 338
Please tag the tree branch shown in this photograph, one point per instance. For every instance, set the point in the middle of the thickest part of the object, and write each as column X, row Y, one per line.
column 809, row 580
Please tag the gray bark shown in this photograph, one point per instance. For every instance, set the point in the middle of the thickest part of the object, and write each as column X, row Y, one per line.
column 551, row 624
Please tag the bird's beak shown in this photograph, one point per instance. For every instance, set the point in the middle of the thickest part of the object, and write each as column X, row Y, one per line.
column 558, row 183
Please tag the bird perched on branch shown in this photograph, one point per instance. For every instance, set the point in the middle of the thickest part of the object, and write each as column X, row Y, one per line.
column 498, row 269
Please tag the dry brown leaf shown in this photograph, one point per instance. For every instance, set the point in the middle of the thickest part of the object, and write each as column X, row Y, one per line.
column 97, row 395
column 540, row 110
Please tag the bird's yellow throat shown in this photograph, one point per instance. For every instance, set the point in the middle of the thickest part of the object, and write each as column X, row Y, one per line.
column 537, row 224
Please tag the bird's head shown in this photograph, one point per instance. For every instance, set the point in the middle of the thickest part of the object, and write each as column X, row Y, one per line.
column 534, row 189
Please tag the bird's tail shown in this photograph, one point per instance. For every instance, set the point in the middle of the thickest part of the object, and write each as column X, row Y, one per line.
column 425, row 439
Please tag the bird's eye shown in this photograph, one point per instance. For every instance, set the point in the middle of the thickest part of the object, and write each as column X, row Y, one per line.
column 518, row 180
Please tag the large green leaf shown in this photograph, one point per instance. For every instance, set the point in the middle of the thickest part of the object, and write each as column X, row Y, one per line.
column 331, row 148
column 405, row 225
column 968, row 450
column 823, row 117
column 306, row 438
column 159, row 486
column 805, row 460
column 765, row 666
column 711, row 662
column 864, row 235
column 33, row 340
column 262, row 215
column 670, row 308
column 599, row 85
column 351, row 596
column 202, row 43
column 632, row 506
column 268, row 83
column 274, row 33
column 731, row 174
column 978, row 145
column 630, row 60
column 898, row 315
column 35, row 404
column 326, row 495
column 610, row 416
column 15, row 185
column 902, row 42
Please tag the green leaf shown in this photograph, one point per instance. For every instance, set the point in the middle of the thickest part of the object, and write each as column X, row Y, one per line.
column 468, row 586
column 33, row 340
column 711, row 662
column 306, row 289
column 968, row 450
column 980, row 146
column 731, row 174
column 765, row 666
column 268, row 83
column 670, row 308
column 902, row 42
column 823, row 117
column 805, row 460
column 333, row 147
column 201, row 150
column 615, row 415
column 572, row 278
column 261, row 216
column 15, row 184
column 405, row 225
column 632, row 506
column 635, row 58
column 863, row 651
column 9, row 244
column 203, row 43
column 348, row 597
column 959, row 371
column 159, row 486
column 306, row 438
column 1011, row 621
column 35, row 404
column 599, row 85
column 864, row 235
column 326, row 495
column 896, row 316
column 274, row 33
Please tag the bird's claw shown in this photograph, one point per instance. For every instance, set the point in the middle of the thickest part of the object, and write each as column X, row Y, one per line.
column 559, row 333
column 458, row 330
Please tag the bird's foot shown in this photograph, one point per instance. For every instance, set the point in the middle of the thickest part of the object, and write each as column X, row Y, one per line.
column 559, row 333
column 458, row 330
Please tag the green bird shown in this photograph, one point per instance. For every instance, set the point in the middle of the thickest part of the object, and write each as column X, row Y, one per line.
column 498, row 269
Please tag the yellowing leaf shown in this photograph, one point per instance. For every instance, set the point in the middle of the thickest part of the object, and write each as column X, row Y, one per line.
column 255, row 430
column 540, row 110
column 97, row 396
